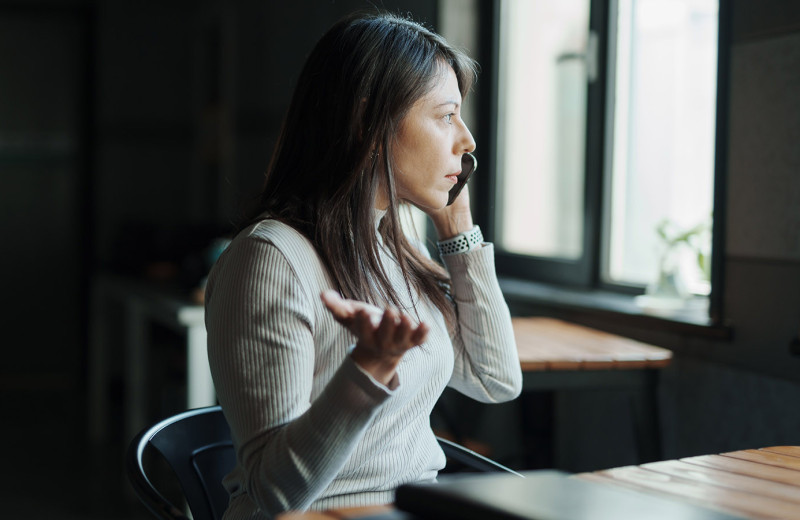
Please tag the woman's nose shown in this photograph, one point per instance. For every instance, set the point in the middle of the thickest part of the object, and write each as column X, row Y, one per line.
column 467, row 142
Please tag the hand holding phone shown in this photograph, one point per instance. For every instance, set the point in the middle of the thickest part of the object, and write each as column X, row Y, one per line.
column 468, row 166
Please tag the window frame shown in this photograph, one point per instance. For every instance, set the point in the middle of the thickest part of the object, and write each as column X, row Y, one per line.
column 584, row 274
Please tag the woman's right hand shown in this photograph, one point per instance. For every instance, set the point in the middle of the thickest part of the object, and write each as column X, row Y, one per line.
column 384, row 336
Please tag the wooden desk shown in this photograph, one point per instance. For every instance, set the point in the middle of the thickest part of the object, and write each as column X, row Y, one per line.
column 551, row 345
column 558, row 356
column 757, row 484
column 763, row 483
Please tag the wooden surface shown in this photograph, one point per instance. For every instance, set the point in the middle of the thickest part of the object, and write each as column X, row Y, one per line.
column 757, row 484
column 547, row 344
column 762, row 483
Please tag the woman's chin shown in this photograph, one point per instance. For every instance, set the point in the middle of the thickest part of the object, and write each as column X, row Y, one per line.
column 429, row 204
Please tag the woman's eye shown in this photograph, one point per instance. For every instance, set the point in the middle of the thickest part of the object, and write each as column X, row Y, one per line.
column 449, row 118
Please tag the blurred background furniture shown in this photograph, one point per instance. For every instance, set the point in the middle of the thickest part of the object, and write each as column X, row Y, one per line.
column 142, row 304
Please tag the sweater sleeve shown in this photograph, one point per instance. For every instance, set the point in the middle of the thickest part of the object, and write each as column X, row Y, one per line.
column 487, row 364
column 261, row 342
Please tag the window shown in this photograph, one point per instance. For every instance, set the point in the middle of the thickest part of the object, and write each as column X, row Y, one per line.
column 661, row 147
column 541, row 127
column 605, row 143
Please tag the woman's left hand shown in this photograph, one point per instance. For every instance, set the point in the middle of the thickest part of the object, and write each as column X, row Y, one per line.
column 384, row 336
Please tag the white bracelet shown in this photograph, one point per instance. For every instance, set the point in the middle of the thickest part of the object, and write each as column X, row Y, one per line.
column 461, row 243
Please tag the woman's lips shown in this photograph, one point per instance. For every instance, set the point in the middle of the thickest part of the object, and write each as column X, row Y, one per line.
column 453, row 177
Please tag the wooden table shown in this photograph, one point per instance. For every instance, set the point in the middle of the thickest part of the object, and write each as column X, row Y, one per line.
column 759, row 484
column 551, row 345
column 763, row 483
column 556, row 355
column 560, row 356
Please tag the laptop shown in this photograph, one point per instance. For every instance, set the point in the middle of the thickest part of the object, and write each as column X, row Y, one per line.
column 541, row 495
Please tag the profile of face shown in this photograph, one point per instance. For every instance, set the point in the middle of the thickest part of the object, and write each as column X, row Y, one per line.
column 429, row 144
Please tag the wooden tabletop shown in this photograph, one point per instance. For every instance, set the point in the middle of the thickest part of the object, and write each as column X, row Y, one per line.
column 547, row 344
column 762, row 483
column 759, row 484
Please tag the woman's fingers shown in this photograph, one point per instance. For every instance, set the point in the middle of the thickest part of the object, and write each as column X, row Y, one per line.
column 364, row 327
column 344, row 311
column 420, row 334
column 340, row 308
column 387, row 324
column 403, row 330
column 381, row 346
column 388, row 332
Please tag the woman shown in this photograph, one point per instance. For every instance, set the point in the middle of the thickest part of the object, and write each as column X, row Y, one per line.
column 330, row 335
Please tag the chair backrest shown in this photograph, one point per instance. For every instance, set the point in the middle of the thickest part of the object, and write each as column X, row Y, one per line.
column 468, row 460
column 198, row 447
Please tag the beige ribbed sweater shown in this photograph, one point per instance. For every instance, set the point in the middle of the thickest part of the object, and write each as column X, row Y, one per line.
column 312, row 430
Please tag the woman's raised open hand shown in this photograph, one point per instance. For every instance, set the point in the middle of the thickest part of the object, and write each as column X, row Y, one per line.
column 383, row 335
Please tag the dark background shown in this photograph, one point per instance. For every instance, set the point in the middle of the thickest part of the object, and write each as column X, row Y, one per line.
column 132, row 132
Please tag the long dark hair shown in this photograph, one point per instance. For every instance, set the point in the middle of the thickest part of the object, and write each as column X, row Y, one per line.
column 336, row 151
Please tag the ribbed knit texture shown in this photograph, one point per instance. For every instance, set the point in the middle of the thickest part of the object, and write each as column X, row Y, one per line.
column 311, row 429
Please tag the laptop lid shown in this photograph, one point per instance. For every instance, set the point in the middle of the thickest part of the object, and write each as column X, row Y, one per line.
column 541, row 495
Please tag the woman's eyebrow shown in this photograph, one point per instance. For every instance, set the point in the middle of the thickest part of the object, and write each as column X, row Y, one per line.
column 448, row 102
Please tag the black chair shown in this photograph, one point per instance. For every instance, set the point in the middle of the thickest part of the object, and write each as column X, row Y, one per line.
column 467, row 460
column 198, row 447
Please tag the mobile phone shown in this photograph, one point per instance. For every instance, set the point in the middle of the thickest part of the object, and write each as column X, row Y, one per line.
column 468, row 166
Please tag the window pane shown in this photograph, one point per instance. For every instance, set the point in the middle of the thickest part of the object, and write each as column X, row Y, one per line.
column 541, row 127
column 662, row 156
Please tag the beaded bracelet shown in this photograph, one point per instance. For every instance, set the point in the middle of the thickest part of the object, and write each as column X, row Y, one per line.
column 461, row 243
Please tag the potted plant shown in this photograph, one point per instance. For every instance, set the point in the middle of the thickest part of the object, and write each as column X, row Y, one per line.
column 669, row 289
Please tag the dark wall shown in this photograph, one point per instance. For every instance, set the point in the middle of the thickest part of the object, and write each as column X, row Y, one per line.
column 43, row 77
column 191, row 96
column 131, row 132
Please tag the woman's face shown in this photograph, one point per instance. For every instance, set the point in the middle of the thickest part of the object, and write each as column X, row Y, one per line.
column 430, row 142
